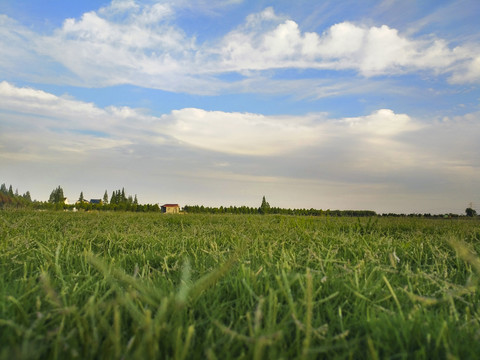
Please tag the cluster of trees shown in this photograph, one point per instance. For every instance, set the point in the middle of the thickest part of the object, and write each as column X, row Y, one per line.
column 119, row 197
column 57, row 201
column 470, row 212
column 57, row 197
column 11, row 199
column 119, row 201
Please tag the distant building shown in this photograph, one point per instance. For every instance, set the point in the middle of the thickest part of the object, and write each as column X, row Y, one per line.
column 170, row 208
column 96, row 201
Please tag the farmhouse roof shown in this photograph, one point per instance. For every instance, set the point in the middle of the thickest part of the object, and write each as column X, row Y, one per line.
column 170, row 205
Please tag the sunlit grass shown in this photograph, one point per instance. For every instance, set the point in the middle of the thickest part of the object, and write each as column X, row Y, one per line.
column 121, row 285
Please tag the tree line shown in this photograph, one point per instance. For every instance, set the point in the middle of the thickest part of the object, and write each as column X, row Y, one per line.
column 200, row 209
column 265, row 208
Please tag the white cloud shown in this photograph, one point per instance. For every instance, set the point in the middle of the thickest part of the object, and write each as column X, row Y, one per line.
column 383, row 123
column 242, row 133
column 272, row 42
column 369, row 50
column 40, row 103
column 468, row 72
column 256, row 134
column 129, row 43
column 258, row 19
column 45, row 124
column 120, row 6
column 103, row 49
column 223, row 132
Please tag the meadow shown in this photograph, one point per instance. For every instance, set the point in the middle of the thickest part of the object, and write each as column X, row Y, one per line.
column 104, row 285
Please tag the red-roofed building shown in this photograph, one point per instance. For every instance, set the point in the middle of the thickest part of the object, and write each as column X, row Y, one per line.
column 170, row 208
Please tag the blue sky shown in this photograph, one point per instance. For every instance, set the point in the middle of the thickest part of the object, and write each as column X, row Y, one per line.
column 340, row 105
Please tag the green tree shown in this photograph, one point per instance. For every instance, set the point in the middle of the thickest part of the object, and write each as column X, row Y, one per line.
column 57, row 197
column 470, row 212
column 27, row 196
column 113, row 198
column 81, row 199
column 105, row 198
column 265, row 207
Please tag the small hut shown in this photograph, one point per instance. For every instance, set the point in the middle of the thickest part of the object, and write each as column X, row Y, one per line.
column 170, row 208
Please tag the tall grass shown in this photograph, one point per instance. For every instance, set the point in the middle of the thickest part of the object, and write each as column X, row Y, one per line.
column 104, row 285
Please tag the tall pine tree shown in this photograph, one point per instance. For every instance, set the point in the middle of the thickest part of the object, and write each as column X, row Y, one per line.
column 265, row 207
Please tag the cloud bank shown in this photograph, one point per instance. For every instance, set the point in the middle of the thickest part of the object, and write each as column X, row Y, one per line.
column 225, row 132
column 55, row 121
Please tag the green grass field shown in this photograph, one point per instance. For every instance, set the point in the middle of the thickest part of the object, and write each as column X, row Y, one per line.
column 145, row 286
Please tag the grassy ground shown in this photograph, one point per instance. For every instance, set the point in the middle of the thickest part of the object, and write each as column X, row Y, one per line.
column 112, row 286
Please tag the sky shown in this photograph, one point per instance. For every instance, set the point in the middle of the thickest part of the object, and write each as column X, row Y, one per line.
column 313, row 104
